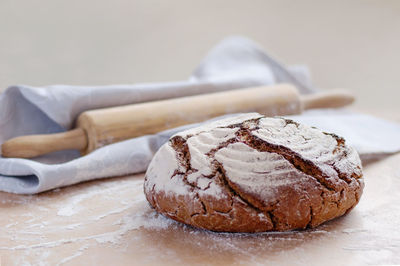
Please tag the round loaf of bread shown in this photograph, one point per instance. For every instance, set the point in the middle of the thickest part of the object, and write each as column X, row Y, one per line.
column 250, row 173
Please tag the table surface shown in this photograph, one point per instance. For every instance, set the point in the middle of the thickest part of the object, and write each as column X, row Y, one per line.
column 109, row 221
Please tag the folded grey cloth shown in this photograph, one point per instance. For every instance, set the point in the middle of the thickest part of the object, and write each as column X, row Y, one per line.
column 234, row 63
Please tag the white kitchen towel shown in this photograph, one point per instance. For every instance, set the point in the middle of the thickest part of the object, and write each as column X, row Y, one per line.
column 235, row 63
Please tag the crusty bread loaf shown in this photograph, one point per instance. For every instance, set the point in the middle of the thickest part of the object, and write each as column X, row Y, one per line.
column 251, row 173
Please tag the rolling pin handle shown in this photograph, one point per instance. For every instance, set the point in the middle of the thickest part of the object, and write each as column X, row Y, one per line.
column 36, row 145
column 327, row 99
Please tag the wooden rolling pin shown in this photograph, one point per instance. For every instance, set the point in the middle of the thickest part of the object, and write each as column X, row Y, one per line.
column 97, row 128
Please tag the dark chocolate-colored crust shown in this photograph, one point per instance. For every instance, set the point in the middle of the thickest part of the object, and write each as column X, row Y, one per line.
column 310, row 204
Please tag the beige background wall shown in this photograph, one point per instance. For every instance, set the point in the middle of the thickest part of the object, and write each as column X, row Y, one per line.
column 352, row 44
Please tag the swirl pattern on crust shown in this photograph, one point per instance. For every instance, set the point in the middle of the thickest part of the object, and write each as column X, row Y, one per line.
column 251, row 173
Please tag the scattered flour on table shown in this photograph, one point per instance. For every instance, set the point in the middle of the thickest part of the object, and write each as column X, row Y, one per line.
column 376, row 239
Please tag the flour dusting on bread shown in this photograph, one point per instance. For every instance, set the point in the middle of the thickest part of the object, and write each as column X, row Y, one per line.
column 251, row 173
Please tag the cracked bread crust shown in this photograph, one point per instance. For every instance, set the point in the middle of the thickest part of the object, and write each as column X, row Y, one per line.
column 251, row 173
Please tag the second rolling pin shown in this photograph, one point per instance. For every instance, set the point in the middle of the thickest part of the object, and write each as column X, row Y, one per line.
column 97, row 128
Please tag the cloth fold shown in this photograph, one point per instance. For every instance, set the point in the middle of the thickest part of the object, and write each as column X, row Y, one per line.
column 234, row 63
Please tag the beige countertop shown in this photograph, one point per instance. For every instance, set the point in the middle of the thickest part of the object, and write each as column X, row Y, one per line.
column 109, row 222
